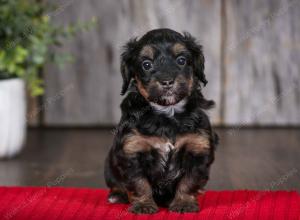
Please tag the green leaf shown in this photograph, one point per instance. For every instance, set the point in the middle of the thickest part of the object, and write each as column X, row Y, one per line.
column 20, row 54
column 26, row 34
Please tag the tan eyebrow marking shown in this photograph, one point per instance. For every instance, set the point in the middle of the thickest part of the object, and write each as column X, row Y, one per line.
column 178, row 48
column 147, row 51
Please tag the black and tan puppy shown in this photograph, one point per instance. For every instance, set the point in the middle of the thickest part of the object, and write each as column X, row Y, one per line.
column 164, row 144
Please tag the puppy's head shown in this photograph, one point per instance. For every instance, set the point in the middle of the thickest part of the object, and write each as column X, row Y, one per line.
column 164, row 65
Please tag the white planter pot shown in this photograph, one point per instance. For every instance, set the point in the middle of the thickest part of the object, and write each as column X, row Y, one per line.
column 12, row 117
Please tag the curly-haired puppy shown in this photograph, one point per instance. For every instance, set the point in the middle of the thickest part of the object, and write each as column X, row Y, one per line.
column 164, row 144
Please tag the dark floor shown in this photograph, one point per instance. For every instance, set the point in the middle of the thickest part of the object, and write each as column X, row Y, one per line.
column 246, row 159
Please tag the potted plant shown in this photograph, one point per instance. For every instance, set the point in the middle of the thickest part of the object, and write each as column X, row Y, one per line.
column 26, row 40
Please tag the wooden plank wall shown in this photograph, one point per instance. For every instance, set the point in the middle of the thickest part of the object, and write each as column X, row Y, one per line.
column 252, row 67
column 262, row 62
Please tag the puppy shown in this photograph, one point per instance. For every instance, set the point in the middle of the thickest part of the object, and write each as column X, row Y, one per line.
column 164, row 144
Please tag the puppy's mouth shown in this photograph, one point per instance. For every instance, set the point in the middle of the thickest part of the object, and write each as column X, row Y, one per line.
column 169, row 97
column 168, row 100
column 166, row 95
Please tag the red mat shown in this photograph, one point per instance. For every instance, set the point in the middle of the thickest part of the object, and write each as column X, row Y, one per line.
column 24, row 203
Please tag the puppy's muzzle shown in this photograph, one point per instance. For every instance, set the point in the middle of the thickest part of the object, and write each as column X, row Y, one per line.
column 167, row 84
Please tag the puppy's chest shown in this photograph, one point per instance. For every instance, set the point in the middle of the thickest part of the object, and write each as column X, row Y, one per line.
column 164, row 149
column 165, row 152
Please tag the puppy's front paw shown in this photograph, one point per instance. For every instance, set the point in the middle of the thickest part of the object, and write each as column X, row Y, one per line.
column 143, row 208
column 184, row 206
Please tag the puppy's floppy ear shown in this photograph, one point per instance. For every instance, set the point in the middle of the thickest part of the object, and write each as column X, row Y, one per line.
column 126, row 64
column 198, row 56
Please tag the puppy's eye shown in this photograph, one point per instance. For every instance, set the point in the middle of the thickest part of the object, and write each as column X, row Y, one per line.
column 181, row 60
column 147, row 65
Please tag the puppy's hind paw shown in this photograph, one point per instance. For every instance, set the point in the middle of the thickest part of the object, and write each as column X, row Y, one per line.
column 117, row 197
column 143, row 208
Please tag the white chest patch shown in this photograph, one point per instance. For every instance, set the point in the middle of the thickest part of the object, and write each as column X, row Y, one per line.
column 170, row 110
column 164, row 149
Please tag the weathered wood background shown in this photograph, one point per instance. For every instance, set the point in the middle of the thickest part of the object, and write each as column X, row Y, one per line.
column 252, row 58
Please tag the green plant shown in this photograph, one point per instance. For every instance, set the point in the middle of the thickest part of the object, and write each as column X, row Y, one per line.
column 26, row 40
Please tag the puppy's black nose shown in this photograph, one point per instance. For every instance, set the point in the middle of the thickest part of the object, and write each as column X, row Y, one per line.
column 167, row 83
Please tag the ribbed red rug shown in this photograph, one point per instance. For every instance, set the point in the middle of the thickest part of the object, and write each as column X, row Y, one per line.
column 24, row 203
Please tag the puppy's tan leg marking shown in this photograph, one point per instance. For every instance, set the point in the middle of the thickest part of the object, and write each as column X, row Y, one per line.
column 142, row 192
column 193, row 142
column 136, row 142
column 141, row 198
column 185, row 200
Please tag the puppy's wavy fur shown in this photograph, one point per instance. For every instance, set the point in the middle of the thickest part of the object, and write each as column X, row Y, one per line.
column 157, row 159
